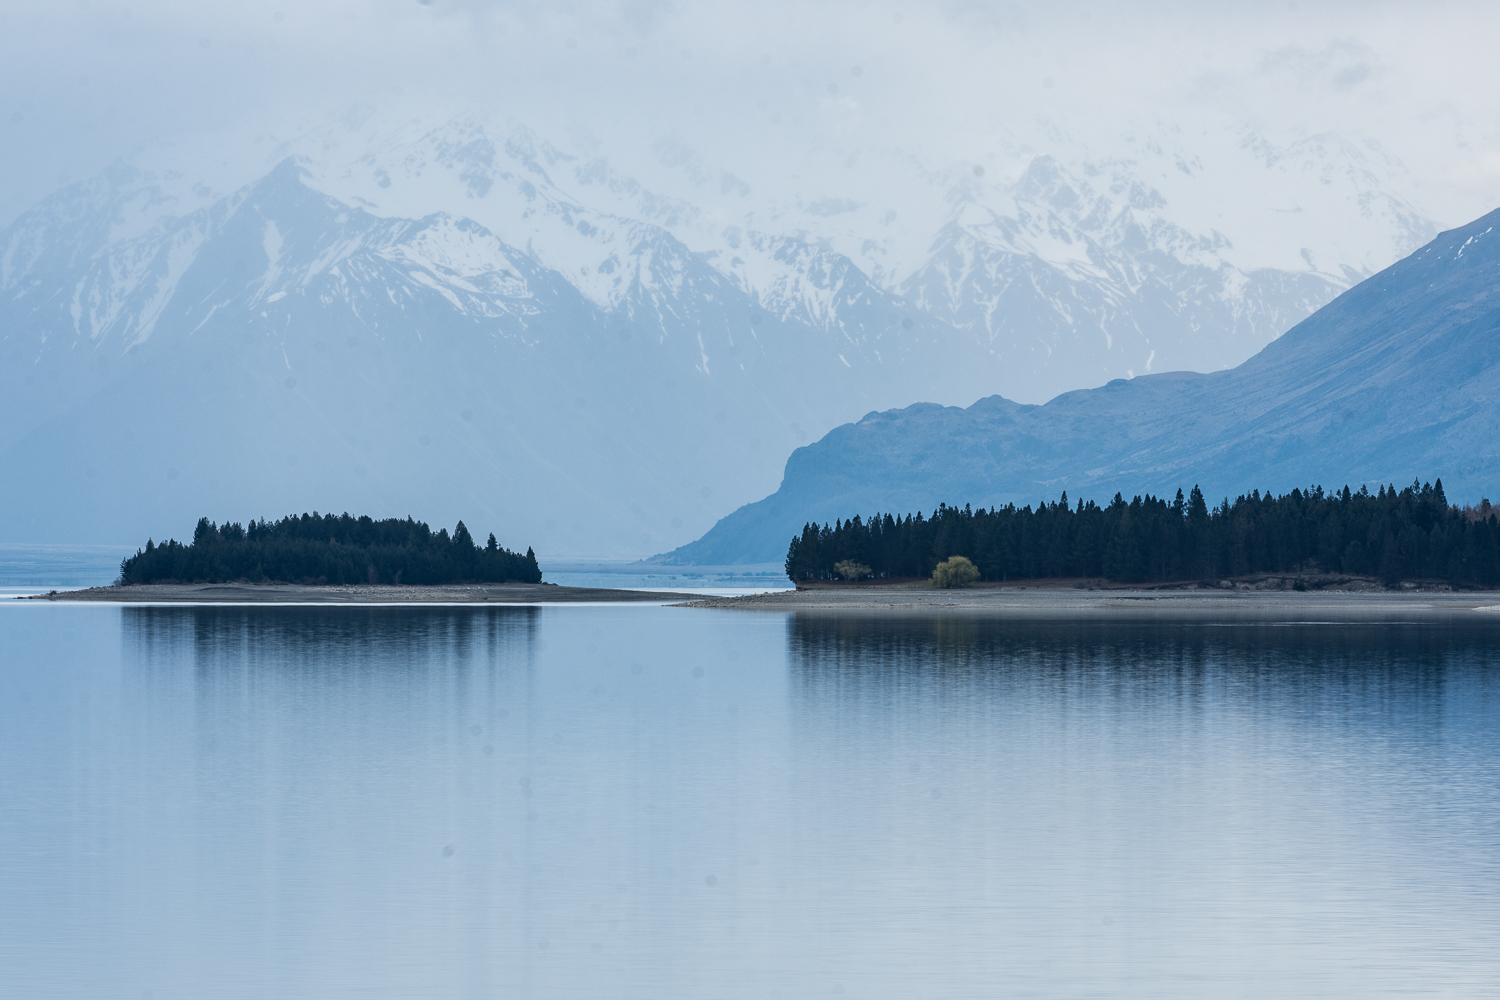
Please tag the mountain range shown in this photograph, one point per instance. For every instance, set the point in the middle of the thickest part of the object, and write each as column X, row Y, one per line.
column 456, row 318
column 1396, row 379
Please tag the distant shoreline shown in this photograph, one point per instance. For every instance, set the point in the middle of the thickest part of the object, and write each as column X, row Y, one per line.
column 1032, row 598
column 1069, row 601
column 293, row 593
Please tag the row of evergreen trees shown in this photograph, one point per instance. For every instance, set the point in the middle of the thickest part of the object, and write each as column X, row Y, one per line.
column 1393, row 535
column 316, row 548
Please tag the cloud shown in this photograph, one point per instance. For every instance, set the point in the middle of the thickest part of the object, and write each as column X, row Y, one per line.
column 764, row 90
column 1339, row 65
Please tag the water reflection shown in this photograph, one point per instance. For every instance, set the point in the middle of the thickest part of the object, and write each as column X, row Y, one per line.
column 657, row 802
column 1402, row 667
column 1235, row 802
column 328, row 637
column 880, row 642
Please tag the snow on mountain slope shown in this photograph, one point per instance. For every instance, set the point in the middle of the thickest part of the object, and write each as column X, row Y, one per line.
column 1281, row 226
column 1348, row 202
column 116, row 290
column 1188, row 244
column 630, row 256
column 1095, row 271
column 1397, row 378
column 1075, row 275
column 608, row 366
column 287, row 350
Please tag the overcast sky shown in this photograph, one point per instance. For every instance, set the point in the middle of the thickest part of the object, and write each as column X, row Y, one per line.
column 758, row 88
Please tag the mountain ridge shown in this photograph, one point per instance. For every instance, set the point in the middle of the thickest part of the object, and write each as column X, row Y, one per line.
column 278, row 317
column 609, row 366
column 1397, row 378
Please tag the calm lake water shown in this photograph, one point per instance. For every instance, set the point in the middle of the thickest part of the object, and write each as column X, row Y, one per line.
column 663, row 803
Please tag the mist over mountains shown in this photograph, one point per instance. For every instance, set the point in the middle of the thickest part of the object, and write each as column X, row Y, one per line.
column 1396, row 379
column 457, row 318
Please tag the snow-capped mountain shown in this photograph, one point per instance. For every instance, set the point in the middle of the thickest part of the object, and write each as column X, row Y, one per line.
column 1189, row 246
column 279, row 348
column 1398, row 378
column 459, row 319
column 1081, row 278
column 1083, row 275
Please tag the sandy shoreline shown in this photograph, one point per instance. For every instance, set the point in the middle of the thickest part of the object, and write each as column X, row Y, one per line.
column 289, row 593
column 1068, row 602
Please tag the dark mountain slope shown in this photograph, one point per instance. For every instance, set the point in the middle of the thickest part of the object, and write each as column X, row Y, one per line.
column 1397, row 378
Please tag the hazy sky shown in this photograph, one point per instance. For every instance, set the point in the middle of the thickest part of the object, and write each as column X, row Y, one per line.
column 760, row 89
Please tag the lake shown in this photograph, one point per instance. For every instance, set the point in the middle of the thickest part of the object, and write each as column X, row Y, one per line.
column 606, row 801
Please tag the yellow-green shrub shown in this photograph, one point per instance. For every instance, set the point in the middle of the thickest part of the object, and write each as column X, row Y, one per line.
column 848, row 569
column 955, row 571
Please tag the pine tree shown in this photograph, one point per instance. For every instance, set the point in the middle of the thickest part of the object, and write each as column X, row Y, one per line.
column 1410, row 533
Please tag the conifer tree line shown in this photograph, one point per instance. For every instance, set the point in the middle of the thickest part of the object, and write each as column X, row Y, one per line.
column 1410, row 534
column 327, row 548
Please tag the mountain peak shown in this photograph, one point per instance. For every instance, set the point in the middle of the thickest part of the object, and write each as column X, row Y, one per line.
column 1045, row 183
column 1397, row 378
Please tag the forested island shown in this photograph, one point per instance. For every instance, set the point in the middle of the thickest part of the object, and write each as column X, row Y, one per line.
column 1391, row 535
column 328, row 549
